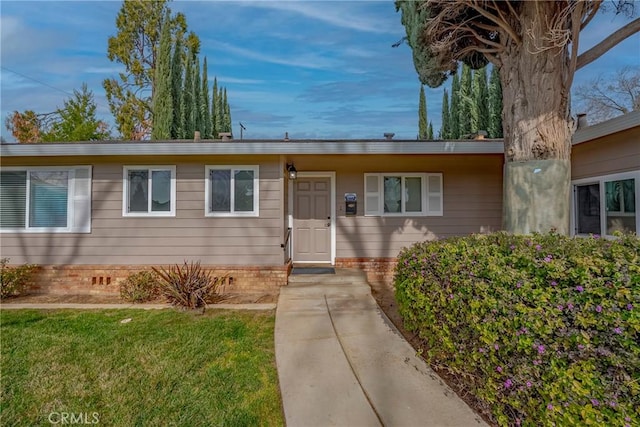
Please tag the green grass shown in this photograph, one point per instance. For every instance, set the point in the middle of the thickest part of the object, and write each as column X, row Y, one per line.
column 163, row 367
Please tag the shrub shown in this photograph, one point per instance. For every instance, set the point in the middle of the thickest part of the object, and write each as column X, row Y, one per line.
column 14, row 280
column 140, row 287
column 542, row 329
column 188, row 286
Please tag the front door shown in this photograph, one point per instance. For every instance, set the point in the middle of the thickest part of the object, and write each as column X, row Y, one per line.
column 312, row 220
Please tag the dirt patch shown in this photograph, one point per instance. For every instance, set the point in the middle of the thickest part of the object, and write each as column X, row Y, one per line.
column 384, row 294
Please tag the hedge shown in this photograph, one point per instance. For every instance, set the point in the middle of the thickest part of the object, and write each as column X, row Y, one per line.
column 541, row 329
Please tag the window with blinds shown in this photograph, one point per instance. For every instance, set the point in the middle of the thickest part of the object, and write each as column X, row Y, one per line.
column 45, row 199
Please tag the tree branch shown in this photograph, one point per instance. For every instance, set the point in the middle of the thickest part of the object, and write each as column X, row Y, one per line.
column 605, row 45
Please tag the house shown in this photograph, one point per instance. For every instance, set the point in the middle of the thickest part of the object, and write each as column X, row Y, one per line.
column 92, row 213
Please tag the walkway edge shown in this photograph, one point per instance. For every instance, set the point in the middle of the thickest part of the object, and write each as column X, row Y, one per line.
column 80, row 306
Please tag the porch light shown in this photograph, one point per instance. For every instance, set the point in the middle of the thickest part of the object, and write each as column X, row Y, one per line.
column 292, row 171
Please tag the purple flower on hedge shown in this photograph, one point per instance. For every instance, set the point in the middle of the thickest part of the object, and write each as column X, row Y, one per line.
column 579, row 288
column 599, row 308
column 481, row 350
column 596, row 236
column 496, row 346
column 595, row 402
column 613, row 403
column 629, row 307
column 548, row 258
column 508, row 383
column 519, row 284
column 580, row 347
column 618, row 330
column 537, row 362
column 538, row 247
column 450, row 296
column 529, row 384
column 550, row 407
column 554, row 283
column 512, row 247
column 560, row 307
column 499, row 369
column 540, row 349
column 570, row 306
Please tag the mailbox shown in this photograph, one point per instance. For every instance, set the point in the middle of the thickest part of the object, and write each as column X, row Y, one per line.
column 350, row 204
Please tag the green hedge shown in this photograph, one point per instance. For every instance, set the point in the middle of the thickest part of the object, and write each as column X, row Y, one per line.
column 542, row 329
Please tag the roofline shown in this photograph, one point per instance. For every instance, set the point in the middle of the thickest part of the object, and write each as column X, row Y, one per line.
column 262, row 147
column 617, row 124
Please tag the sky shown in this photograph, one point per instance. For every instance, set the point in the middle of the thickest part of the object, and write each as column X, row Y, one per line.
column 314, row 69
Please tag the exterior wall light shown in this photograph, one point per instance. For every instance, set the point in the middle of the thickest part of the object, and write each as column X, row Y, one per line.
column 292, row 171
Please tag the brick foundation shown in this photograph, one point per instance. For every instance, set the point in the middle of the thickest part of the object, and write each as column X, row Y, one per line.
column 106, row 279
column 377, row 269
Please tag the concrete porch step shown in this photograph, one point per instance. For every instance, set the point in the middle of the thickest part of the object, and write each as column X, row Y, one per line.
column 342, row 276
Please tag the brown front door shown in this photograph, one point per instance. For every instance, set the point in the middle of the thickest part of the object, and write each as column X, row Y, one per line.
column 312, row 220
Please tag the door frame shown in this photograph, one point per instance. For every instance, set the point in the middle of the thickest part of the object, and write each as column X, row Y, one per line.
column 332, row 195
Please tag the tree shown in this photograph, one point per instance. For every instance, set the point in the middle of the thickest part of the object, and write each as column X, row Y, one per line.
column 480, row 105
column 25, row 127
column 227, row 113
column 423, row 130
column 466, row 102
column 176, row 89
column 188, row 123
column 603, row 99
column 77, row 120
column 204, row 103
column 162, row 96
column 534, row 45
column 430, row 132
column 454, row 111
column 445, row 131
column 136, row 46
column 196, row 109
column 495, row 104
column 215, row 110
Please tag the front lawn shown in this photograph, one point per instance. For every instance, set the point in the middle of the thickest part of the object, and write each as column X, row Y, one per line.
column 158, row 368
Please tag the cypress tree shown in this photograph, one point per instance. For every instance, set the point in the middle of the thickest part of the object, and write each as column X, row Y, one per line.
column 430, row 133
column 466, row 102
column 204, row 104
column 422, row 115
column 445, row 130
column 454, row 112
column 176, row 89
column 227, row 113
column 187, row 124
column 220, row 112
column 495, row 105
column 162, row 105
column 480, row 101
column 215, row 123
column 197, row 101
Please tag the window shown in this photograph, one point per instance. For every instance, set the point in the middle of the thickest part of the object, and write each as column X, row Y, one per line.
column 56, row 199
column 604, row 205
column 408, row 194
column 231, row 191
column 149, row 191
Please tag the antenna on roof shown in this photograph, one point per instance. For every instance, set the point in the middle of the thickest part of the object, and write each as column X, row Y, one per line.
column 241, row 129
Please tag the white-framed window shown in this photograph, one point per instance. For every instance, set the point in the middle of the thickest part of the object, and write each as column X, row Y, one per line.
column 606, row 204
column 45, row 199
column 231, row 190
column 149, row 191
column 403, row 194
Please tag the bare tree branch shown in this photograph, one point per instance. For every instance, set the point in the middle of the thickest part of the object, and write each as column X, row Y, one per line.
column 605, row 45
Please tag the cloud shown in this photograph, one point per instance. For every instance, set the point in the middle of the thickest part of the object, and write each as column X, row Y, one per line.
column 338, row 14
column 305, row 60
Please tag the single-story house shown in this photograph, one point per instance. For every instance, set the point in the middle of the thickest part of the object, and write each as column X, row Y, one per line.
column 92, row 213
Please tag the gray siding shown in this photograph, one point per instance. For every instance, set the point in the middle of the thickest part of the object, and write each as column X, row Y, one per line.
column 115, row 239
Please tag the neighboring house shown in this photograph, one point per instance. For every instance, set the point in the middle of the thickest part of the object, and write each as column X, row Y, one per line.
column 92, row 213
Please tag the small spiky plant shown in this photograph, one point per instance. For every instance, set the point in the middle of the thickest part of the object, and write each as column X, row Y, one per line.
column 189, row 285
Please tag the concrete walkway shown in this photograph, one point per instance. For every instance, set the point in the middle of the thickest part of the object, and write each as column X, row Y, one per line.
column 341, row 362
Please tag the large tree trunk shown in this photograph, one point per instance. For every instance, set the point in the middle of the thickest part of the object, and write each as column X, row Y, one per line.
column 535, row 80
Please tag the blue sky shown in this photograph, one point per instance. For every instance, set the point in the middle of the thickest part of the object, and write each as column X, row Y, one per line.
column 314, row 69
